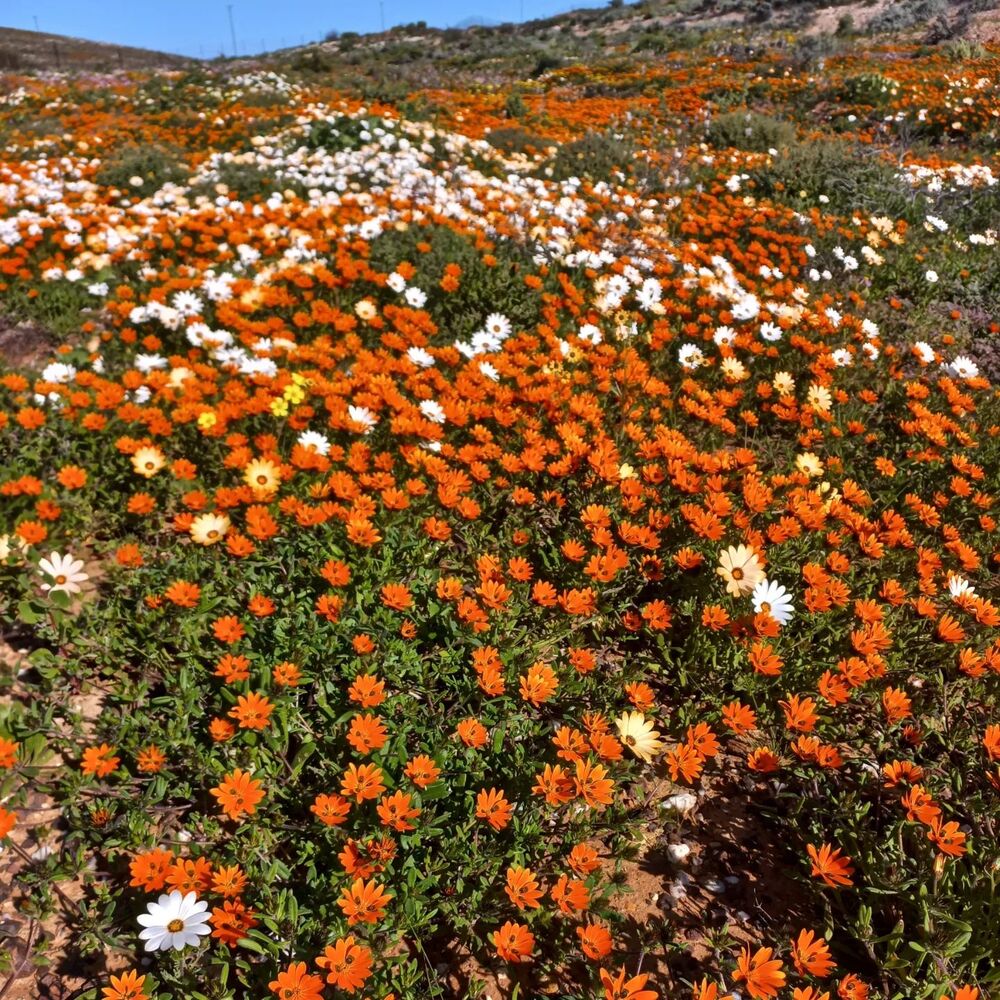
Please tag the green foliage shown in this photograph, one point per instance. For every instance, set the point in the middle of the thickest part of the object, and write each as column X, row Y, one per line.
column 155, row 165
column 902, row 15
column 872, row 89
column 516, row 140
column 750, row 131
column 545, row 62
column 483, row 288
column 842, row 175
column 514, row 106
column 341, row 132
column 598, row 156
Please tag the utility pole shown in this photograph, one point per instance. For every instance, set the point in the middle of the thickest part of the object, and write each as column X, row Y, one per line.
column 232, row 27
column 35, row 16
column 381, row 12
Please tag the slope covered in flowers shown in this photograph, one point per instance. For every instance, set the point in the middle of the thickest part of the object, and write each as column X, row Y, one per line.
column 442, row 513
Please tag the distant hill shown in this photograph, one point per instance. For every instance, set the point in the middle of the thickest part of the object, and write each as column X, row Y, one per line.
column 477, row 22
column 27, row 51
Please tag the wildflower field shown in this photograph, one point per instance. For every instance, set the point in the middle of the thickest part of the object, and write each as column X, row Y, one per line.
column 520, row 540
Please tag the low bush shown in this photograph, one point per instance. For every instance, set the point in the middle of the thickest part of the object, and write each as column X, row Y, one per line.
column 750, row 131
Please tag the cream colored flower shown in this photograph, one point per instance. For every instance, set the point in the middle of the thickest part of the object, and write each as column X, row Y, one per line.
column 178, row 375
column 207, row 529
column 638, row 734
column 148, row 461
column 262, row 477
column 819, row 398
column 365, row 309
column 810, row 464
column 783, row 384
column 734, row 370
column 741, row 569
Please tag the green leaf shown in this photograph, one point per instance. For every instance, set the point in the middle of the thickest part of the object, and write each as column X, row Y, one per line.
column 29, row 613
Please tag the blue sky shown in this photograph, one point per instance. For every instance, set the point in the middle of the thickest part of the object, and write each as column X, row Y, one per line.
column 201, row 27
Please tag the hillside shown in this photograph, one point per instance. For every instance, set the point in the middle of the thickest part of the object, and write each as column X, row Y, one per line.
column 27, row 51
column 480, row 49
column 414, row 56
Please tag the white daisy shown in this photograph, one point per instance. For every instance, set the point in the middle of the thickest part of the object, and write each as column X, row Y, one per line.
column 650, row 293
column 415, row 297
column 314, row 440
column 187, row 303
column 773, row 599
column 420, row 357
column 432, row 411
column 174, row 921
column 498, row 325
column 362, row 415
column 65, row 572
column 58, row 372
column 964, row 367
column 958, row 586
column 690, row 356
column 745, row 308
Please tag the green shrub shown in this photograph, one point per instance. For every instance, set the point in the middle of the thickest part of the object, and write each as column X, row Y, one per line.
column 962, row 50
column 515, row 140
column 155, row 164
column 248, row 181
column 851, row 177
column 905, row 14
column 867, row 88
column 597, row 157
column 544, row 63
column 483, row 288
column 514, row 106
column 749, row 131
